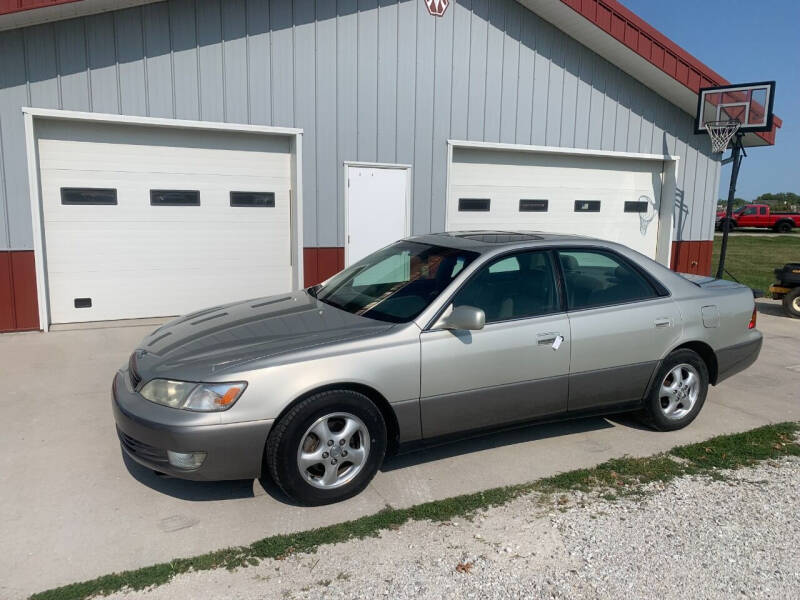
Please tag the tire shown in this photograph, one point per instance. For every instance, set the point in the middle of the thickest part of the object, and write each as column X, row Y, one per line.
column 327, row 474
column 731, row 224
column 791, row 303
column 783, row 227
column 684, row 402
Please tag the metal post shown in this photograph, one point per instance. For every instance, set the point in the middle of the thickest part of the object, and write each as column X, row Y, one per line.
column 737, row 160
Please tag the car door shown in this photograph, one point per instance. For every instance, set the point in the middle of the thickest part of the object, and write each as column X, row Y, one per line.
column 622, row 323
column 516, row 367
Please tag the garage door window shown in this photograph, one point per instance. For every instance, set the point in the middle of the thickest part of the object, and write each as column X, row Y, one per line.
column 587, row 205
column 514, row 287
column 253, row 199
column 474, row 204
column 88, row 196
column 595, row 278
column 636, row 206
column 532, row 205
column 174, row 198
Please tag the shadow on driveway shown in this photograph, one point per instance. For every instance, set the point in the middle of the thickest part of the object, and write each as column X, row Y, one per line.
column 204, row 491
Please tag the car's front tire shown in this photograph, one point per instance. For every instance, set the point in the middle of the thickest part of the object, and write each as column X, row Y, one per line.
column 678, row 392
column 327, row 448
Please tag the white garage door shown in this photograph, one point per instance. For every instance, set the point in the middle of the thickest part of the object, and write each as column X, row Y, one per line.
column 141, row 221
column 605, row 197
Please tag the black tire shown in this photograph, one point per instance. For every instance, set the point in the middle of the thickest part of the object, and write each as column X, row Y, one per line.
column 791, row 303
column 654, row 412
column 731, row 224
column 783, row 227
column 281, row 454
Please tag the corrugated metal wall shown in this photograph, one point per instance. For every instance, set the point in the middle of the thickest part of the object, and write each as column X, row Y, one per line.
column 371, row 80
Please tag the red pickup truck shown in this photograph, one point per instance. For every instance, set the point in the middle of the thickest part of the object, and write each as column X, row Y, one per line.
column 760, row 215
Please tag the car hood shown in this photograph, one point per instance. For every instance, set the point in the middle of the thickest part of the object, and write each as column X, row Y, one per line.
column 206, row 345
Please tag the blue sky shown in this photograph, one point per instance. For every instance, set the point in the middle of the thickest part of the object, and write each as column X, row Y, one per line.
column 745, row 41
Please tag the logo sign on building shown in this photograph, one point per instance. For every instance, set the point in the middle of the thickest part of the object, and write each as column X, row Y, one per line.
column 437, row 7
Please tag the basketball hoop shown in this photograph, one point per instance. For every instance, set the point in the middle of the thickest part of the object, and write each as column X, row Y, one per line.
column 721, row 133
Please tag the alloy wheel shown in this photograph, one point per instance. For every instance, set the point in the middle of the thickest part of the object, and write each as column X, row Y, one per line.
column 333, row 450
column 679, row 391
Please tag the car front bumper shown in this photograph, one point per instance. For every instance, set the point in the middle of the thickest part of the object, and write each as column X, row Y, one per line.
column 147, row 431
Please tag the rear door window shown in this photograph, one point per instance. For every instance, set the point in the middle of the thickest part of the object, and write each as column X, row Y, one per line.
column 595, row 278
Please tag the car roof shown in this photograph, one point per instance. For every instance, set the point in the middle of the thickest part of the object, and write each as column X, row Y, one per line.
column 484, row 241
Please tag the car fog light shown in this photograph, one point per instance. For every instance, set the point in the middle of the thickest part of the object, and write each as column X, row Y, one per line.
column 186, row 460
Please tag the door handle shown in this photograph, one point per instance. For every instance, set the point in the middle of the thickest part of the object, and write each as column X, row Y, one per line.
column 546, row 339
column 663, row 322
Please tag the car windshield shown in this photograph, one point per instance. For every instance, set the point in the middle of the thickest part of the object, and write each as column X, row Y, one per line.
column 396, row 283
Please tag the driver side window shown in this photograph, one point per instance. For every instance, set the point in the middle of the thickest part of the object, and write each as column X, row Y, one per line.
column 512, row 287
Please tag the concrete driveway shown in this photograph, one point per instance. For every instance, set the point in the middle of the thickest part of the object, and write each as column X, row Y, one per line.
column 73, row 509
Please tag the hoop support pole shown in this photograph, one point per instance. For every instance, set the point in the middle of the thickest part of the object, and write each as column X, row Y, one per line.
column 726, row 226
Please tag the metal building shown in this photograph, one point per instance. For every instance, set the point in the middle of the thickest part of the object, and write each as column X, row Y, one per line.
column 159, row 157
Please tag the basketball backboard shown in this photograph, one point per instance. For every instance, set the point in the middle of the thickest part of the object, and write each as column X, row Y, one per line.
column 749, row 103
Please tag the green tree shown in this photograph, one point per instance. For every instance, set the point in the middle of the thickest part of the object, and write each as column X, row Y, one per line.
column 780, row 201
column 738, row 203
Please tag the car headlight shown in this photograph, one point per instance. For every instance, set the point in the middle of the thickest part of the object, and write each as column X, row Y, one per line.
column 204, row 397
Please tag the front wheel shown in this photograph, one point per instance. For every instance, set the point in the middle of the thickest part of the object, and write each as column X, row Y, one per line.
column 791, row 303
column 678, row 392
column 327, row 448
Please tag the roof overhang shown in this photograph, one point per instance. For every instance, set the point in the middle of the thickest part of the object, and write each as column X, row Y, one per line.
column 22, row 13
column 624, row 39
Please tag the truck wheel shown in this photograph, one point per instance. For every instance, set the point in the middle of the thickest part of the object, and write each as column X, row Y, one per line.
column 731, row 225
column 791, row 303
column 327, row 448
column 783, row 227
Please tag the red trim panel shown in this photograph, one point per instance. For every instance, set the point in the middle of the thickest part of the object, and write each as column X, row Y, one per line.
column 13, row 6
column 19, row 305
column 631, row 30
column 321, row 263
column 692, row 256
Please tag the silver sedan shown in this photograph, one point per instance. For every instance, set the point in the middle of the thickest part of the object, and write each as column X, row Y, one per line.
column 433, row 336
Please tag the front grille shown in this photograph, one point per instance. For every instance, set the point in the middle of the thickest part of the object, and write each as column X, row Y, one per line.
column 136, row 379
column 142, row 450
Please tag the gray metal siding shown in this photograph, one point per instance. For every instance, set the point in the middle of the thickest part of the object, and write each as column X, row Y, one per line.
column 367, row 80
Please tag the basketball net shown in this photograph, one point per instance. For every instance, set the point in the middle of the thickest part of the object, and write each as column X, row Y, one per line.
column 721, row 133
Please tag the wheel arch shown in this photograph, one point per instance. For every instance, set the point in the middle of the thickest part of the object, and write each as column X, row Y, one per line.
column 708, row 355
column 389, row 416
column 787, row 221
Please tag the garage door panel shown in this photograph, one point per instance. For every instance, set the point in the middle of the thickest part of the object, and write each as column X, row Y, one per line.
column 160, row 150
column 136, row 260
column 151, row 293
column 507, row 177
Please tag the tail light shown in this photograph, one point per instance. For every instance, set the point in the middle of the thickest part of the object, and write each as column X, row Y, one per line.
column 752, row 323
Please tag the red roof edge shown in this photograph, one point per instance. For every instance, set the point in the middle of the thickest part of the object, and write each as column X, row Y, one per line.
column 652, row 45
column 14, row 6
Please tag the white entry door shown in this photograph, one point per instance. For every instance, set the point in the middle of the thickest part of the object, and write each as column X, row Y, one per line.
column 377, row 208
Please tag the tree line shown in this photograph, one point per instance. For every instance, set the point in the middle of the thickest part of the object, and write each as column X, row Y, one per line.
column 788, row 201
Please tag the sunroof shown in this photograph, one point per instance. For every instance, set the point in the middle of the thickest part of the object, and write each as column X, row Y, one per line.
column 497, row 237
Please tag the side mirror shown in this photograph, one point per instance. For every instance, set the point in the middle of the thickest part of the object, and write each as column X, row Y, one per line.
column 463, row 317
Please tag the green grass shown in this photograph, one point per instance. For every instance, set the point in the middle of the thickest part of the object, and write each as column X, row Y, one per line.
column 613, row 478
column 752, row 258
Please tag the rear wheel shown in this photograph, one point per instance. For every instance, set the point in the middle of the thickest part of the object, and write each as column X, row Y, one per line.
column 783, row 227
column 327, row 448
column 678, row 392
column 791, row 303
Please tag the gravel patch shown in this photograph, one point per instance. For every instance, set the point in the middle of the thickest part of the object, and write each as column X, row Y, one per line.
column 694, row 537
